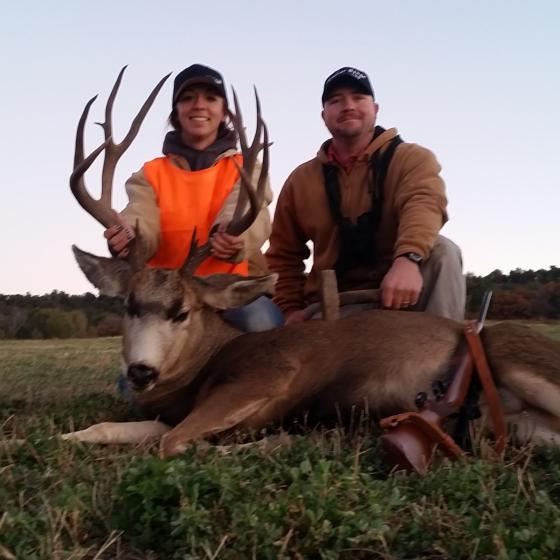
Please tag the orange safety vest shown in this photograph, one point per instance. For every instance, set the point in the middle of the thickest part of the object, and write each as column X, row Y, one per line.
column 189, row 200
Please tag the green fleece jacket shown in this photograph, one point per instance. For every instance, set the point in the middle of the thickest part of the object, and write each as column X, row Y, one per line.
column 414, row 210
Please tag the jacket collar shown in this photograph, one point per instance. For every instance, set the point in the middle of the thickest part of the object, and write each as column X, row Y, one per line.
column 377, row 142
column 190, row 159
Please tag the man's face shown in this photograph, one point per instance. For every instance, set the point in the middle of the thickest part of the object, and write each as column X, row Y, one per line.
column 200, row 111
column 349, row 114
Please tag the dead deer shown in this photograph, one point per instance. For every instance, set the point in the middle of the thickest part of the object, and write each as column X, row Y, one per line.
column 198, row 376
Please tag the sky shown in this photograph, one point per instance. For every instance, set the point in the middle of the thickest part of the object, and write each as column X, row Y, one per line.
column 476, row 82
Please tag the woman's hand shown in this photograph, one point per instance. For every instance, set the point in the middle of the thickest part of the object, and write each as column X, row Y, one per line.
column 224, row 246
column 118, row 237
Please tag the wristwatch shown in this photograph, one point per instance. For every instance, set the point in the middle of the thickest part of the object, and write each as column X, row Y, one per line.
column 414, row 257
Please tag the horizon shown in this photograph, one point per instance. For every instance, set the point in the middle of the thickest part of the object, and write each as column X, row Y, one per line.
column 93, row 289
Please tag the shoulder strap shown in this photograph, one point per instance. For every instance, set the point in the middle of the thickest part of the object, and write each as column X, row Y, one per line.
column 379, row 163
column 332, row 188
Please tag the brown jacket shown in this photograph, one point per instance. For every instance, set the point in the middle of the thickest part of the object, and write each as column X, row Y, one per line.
column 143, row 207
column 414, row 210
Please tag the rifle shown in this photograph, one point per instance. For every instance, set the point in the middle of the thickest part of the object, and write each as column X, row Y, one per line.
column 411, row 439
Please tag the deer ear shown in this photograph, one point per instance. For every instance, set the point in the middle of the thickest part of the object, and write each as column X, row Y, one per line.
column 109, row 275
column 224, row 291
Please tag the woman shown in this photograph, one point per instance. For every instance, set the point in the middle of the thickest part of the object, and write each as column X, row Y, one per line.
column 195, row 185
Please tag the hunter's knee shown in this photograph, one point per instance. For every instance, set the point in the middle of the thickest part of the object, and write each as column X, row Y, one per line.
column 446, row 254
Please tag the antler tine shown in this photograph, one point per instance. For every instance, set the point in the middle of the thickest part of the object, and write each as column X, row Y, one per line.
column 238, row 125
column 249, row 152
column 111, row 157
column 237, row 120
column 101, row 209
column 105, row 215
column 239, row 224
column 256, row 145
column 114, row 151
column 196, row 256
column 240, row 221
column 79, row 149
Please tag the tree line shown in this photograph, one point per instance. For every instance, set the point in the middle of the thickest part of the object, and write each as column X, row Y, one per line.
column 59, row 315
column 521, row 294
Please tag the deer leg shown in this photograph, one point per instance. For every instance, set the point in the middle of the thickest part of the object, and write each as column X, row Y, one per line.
column 119, row 432
column 209, row 419
column 533, row 389
column 534, row 426
column 222, row 409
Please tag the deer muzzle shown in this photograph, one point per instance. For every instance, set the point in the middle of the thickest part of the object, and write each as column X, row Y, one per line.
column 141, row 376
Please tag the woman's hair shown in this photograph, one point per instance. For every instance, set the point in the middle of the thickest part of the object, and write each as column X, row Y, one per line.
column 174, row 119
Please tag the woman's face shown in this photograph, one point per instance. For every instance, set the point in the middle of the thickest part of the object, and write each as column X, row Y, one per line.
column 200, row 110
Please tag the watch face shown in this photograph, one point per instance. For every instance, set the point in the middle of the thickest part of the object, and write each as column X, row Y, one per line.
column 414, row 257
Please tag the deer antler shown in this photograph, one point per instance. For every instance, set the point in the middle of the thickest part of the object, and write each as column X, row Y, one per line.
column 101, row 209
column 241, row 219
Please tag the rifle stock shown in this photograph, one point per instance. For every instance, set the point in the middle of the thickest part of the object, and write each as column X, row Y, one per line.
column 412, row 437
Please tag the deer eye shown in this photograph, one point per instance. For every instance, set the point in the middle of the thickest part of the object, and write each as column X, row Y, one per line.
column 181, row 317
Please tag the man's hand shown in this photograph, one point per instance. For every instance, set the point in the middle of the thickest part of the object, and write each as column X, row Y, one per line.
column 401, row 286
column 225, row 246
column 118, row 237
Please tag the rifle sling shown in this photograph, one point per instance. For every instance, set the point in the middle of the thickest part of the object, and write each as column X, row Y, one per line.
column 490, row 392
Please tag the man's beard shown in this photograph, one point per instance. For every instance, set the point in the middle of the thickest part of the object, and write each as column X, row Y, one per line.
column 347, row 134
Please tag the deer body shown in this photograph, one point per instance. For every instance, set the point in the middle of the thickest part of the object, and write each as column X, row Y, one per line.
column 212, row 378
column 320, row 369
column 377, row 360
column 297, row 364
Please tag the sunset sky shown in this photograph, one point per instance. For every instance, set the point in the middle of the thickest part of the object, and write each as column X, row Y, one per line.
column 476, row 82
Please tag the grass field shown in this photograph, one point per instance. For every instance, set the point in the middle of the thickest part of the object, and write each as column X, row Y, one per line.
column 327, row 496
column 549, row 329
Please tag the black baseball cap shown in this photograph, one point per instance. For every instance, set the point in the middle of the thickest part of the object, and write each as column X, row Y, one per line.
column 347, row 76
column 198, row 74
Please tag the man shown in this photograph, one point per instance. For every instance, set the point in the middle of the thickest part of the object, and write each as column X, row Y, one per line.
column 372, row 205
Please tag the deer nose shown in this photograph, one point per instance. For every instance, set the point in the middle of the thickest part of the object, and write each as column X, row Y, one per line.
column 141, row 375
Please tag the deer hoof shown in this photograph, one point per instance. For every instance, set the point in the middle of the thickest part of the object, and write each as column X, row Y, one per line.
column 170, row 446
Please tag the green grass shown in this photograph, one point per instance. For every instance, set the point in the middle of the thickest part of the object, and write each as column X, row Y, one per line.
column 327, row 496
column 548, row 329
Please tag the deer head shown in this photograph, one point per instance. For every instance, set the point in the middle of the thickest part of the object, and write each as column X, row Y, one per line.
column 171, row 326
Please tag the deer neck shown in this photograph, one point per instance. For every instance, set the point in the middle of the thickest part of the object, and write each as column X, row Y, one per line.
column 216, row 334
column 196, row 353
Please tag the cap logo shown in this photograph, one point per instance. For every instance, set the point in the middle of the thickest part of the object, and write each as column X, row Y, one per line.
column 352, row 71
column 356, row 73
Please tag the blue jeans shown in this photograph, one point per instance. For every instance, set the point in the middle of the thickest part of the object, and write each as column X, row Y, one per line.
column 259, row 315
